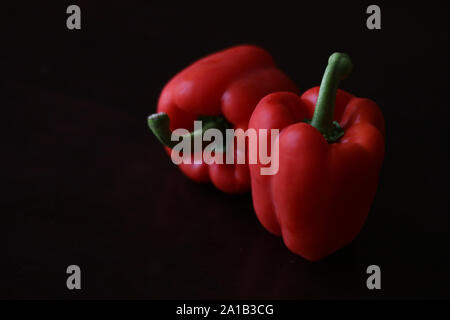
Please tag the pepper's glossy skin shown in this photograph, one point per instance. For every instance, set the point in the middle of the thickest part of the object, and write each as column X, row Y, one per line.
column 228, row 83
column 320, row 197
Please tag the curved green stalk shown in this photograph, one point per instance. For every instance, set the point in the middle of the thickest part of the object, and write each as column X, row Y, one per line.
column 338, row 68
column 159, row 123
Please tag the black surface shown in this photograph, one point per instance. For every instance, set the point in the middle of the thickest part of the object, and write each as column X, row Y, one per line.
column 86, row 183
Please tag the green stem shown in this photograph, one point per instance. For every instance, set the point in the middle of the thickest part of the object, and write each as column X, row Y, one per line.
column 159, row 123
column 338, row 68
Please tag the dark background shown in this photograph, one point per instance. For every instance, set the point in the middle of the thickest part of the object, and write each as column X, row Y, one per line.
column 86, row 183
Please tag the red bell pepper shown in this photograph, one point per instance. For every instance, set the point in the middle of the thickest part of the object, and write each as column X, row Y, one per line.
column 226, row 86
column 328, row 170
